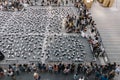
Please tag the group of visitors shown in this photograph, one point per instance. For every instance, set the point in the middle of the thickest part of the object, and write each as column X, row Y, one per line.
column 54, row 2
column 76, row 23
column 15, row 5
column 84, row 24
column 10, row 6
column 99, row 72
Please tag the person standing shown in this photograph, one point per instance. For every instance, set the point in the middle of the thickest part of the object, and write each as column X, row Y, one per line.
column 36, row 76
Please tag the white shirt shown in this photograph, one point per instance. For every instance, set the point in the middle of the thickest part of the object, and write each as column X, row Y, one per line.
column 84, row 34
column 117, row 70
column 81, row 79
column 95, row 41
column 1, row 7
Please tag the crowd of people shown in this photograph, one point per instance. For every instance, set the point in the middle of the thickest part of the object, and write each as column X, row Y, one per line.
column 99, row 72
column 54, row 2
column 15, row 5
column 18, row 5
column 84, row 24
column 10, row 6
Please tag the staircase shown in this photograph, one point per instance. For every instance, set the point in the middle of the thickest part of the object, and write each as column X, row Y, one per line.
column 108, row 24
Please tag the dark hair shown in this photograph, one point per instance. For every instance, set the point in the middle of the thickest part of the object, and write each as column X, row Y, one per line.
column 92, row 30
column 105, row 76
column 96, row 38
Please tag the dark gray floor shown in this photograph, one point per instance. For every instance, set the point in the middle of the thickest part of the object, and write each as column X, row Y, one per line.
column 25, row 36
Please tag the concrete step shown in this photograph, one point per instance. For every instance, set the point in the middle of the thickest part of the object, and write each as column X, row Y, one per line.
column 112, row 43
column 108, row 25
column 112, row 51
